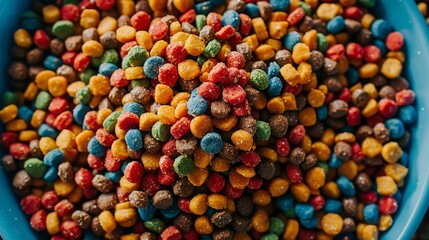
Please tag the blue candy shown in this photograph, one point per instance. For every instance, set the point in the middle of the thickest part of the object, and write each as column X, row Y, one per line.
column 217, row 2
column 52, row 63
column 196, row 105
column 231, row 17
column 134, row 139
column 396, row 128
column 347, row 188
column 291, row 40
column 333, row 206
column 152, row 65
column 371, row 213
column 133, row 107
column 53, row 158
column 346, row 128
column 51, row 174
column 210, row 212
column 252, row 10
column 304, row 210
column 79, row 113
column 334, row 161
column 194, row 93
column 273, row 70
column 89, row 235
column 398, row 196
column 274, row 87
column 352, row 76
column 381, row 45
column 285, row 202
column 25, row 113
column 124, row 165
column 336, row 25
column 147, row 213
column 95, row 148
column 113, row 176
column 309, row 223
column 203, row 7
column 279, row 5
column 32, row 24
column 407, row 114
column 107, row 69
column 380, row 28
column 212, row 143
column 322, row 113
column 47, row 131
column 206, row 237
column 404, row 159
column 171, row 212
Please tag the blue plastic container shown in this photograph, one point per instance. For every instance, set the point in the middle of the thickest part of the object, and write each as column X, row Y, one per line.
column 402, row 14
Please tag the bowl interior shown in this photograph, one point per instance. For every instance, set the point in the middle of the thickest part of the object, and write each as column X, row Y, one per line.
column 402, row 14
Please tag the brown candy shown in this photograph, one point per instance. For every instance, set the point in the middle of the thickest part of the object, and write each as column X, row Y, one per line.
column 363, row 182
column 90, row 34
column 67, row 72
column 108, row 39
column 107, row 201
column 309, row 162
column 360, row 98
column 140, row 95
column 343, row 151
column 151, row 144
column 81, row 218
column 18, row 71
column 381, row 133
column 207, row 34
column 240, row 223
column 56, row 47
column 244, row 49
column 229, row 151
column 102, row 184
column 138, row 199
column 282, row 57
column 65, row 172
column 116, row 94
column 183, row 188
column 297, row 156
column 221, row 219
column 338, row 108
column 91, row 207
column 266, row 169
column 184, row 222
column 220, row 109
column 350, row 206
column 21, row 180
column 316, row 60
column 163, row 199
column 186, row 146
column 244, row 205
column 9, row 163
column 35, row 56
column 74, row 43
column 223, row 234
column 96, row 226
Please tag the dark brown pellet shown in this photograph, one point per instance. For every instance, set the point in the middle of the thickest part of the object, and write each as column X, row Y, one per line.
column 330, row 67
column 297, row 156
column 207, row 34
column 108, row 39
column 364, row 37
column 221, row 219
column 163, row 199
column 189, row 85
column 259, row 65
column 102, row 184
column 240, row 223
column 350, row 206
column 223, row 234
column 279, row 125
column 107, row 201
column 73, row 43
column 363, row 182
column 363, row 132
column 18, row 71
column 186, row 146
column 9, row 163
column 35, row 56
column 237, row 5
column 96, row 227
column 343, row 151
column 68, row 72
column 143, row 5
column 189, row 28
column 338, row 108
column 151, row 144
column 360, row 98
column 81, row 218
column 116, row 94
column 140, row 95
column 381, row 132
column 138, row 199
column 247, row 124
column 229, row 151
column 387, row 92
column 309, row 162
column 172, row 9
column 266, row 169
column 65, row 172
column 57, row 47
column 316, row 60
column 220, row 109
column 90, row 34
column 183, row 188
column 353, row 26
column 349, row 225
column 333, row 84
column 292, row 118
column 91, row 207
column 244, row 205
column 184, row 222
column 244, row 49
column 123, row 21
column 148, row 236
column 265, row 9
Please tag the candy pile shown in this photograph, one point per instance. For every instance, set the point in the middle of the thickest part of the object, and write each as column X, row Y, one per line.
column 244, row 119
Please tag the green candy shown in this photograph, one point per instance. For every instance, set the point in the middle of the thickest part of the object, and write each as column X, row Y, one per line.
column 322, row 43
column 259, row 79
column 270, row 236
column 87, row 74
column 110, row 122
column 324, row 166
column 212, row 48
column 63, row 29
column 154, row 225
column 200, row 21
column 110, row 56
column 35, row 167
column 160, row 131
column 183, row 165
column 137, row 56
column 42, row 100
column 263, row 131
column 367, row 3
column 84, row 95
column 145, row 83
column 96, row 62
column 10, row 98
column 277, row 226
column 290, row 213
column 125, row 62
column 201, row 60
column 306, row 8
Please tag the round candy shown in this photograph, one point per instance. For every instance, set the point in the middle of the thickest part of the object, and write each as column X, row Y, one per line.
column 212, row 143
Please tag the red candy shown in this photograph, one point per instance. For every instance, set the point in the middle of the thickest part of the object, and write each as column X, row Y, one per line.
column 235, row 59
column 232, row 192
column 81, row 62
column 171, row 233
column 214, row 20
column 353, row 116
column 294, row 173
column 250, row 159
column 225, row 33
column 387, row 107
column 283, row 147
column 354, row 51
column 63, row 208
column 255, row 183
column 117, row 79
column 218, row 72
column 335, row 52
column 345, row 95
column 141, row 21
column 191, row 235
column 90, row 120
column 110, row 162
column 209, row 91
column 175, row 53
column 50, row 119
column 168, row 74
column 183, row 204
column 245, row 24
column 169, row 148
column 372, row 54
column 318, row 202
column 166, row 179
column 234, row 94
column 68, row 57
column 104, row 138
column 7, row 138
column 70, row 229
column 126, row 48
column 58, row 105
column 215, row 182
column 233, row 77
column 180, row 128
column 150, row 184
column 306, row 234
column 166, row 165
column 158, row 30
column 95, row 162
column 373, row 120
column 38, row 220
column 70, row 12
column 19, row 151
column 127, row 121
column 188, row 16
column 49, row 200
column 357, row 154
column 405, row 97
column 354, row 13
column 41, row 39
column 241, row 110
column 296, row 16
column 296, row 134
column 122, row 194
column 387, row 205
column 295, row 90
column 83, row 178
column 134, row 172
column 105, row 4
column 394, row 41
column 368, row 197
column 30, row 204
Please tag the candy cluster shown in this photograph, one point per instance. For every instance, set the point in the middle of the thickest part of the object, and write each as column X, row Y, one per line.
column 171, row 119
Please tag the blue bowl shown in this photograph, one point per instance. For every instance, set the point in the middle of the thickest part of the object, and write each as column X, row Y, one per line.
column 402, row 14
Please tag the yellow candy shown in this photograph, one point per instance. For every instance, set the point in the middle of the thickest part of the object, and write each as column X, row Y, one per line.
column 386, row 185
column 57, row 86
column 89, row 18
column 8, row 113
column 198, row 204
column 300, row 53
column 22, row 38
column 385, row 222
column 51, row 14
column 194, row 45
column 260, row 28
column 188, row 69
column 107, row 24
column 143, row 39
column 53, row 223
column 107, row 221
column 99, row 85
column 332, row 224
column 264, row 52
column 290, row 74
column 66, row 140
column 396, row 171
column 371, row 147
column 301, row 192
column 391, row 152
column 93, row 48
